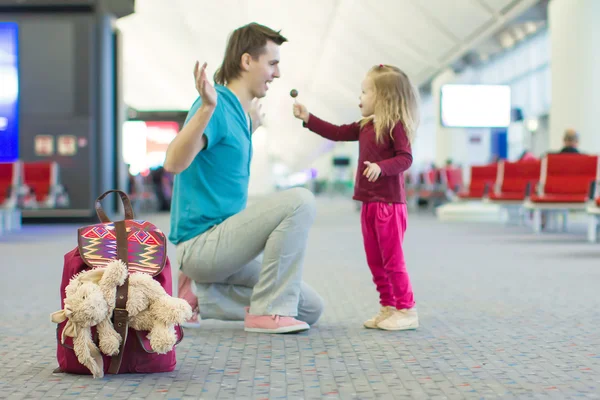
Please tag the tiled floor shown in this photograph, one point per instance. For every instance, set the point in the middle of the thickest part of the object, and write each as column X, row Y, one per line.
column 504, row 314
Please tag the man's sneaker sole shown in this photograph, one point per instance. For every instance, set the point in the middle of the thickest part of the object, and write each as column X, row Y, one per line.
column 283, row 329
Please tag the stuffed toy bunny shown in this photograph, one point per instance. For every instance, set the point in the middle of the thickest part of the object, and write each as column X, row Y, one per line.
column 90, row 301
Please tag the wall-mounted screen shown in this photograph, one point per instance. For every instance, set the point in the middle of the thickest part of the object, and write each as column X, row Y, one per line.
column 475, row 106
column 9, row 92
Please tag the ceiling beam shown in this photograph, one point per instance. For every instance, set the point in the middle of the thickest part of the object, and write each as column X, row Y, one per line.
column 487, row 8
column 480, row 36
column 435, row 22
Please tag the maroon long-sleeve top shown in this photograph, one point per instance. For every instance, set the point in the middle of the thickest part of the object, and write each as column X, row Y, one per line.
column 393, row 157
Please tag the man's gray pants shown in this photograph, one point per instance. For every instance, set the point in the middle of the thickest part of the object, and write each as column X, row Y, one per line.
column 255, row 259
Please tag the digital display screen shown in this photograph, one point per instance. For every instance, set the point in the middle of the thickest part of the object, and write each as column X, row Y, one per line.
column 475, row 106
column 9, row 92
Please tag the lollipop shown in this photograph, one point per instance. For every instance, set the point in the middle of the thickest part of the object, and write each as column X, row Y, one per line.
column 294, row 93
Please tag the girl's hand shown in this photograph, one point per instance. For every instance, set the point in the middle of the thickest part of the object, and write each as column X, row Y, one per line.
column 372, row 171
column 301, row 112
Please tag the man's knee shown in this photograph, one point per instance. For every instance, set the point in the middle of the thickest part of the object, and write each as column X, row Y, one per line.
column 303, row 201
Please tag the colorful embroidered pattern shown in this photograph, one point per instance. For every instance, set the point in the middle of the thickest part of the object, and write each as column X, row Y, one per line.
column 146, row 246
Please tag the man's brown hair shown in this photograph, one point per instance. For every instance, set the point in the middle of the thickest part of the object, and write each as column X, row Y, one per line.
column 251, row 39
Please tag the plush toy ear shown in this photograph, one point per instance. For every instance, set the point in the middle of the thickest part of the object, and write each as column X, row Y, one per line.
column 70, row 329
column 93, row 276
column 58, row 316
column 88, row 354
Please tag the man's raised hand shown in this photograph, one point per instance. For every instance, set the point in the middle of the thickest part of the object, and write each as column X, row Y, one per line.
column 205, row 89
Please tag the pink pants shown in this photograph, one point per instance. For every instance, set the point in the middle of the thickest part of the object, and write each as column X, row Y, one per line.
column 383, row 228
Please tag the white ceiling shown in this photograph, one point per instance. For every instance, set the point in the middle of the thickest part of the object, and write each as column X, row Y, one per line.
column 332, row 43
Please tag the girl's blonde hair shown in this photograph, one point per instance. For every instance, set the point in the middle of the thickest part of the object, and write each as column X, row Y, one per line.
column 396, row 100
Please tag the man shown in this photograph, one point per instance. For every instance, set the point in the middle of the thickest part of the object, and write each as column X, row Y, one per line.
column 570, row 141
column 246, row 262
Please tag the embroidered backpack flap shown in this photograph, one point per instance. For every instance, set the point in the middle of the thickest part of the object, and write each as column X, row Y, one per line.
column 146, row 244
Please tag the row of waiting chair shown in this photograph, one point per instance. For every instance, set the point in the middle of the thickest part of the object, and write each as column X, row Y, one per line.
column 556, row 183
column 29, row 185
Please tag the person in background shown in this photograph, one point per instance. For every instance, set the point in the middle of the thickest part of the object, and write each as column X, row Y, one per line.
column 570, row 142
column 158, row 176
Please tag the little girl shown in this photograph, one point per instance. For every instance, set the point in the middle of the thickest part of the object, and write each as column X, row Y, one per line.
column 388, row 104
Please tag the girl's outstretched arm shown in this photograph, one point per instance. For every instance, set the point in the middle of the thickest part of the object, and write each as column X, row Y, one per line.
column 337, row 133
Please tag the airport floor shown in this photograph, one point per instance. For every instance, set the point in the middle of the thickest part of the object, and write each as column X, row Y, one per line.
column 504, row 314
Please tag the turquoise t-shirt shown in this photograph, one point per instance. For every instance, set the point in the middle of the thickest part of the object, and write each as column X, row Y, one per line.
column 215, row 186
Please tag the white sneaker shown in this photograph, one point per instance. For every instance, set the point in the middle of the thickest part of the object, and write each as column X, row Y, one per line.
column 383, row 313
column 400, row 320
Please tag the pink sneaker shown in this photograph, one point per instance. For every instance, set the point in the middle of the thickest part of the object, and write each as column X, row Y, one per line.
column 273, row 324
column 186, row 292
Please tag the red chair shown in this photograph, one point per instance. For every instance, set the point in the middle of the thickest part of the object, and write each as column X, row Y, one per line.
column 482, row 181
column 452, row 179
column 9, row 184
column 7, row 181
column 10, row 215
column 410, row 186
column 42, row 185
column 429, row 186
column 514, row 179
column 566, row 179
column 593, row 211
column 565, row 185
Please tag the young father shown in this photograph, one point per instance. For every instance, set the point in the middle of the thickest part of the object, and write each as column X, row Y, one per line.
column 246, row 262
